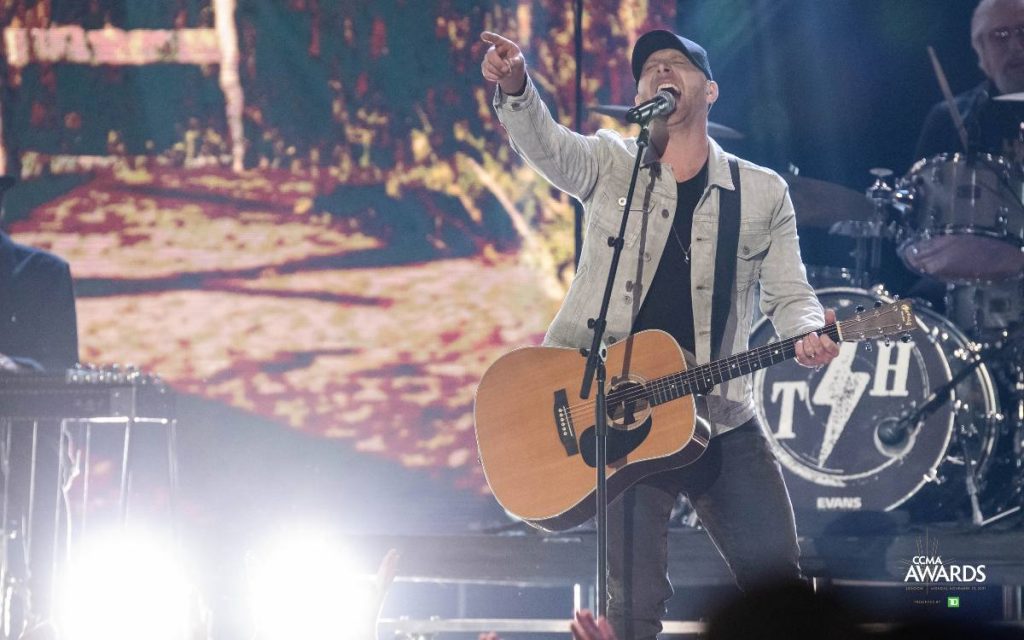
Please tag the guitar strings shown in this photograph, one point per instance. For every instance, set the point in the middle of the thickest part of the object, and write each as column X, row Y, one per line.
column 688, row 376
column 585, row 410
column 668, row 384
column 720, row 366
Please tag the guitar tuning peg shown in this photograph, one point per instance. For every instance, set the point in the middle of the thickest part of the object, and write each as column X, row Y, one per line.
column 860, row 308
column 905, row 338
column 895, row 297
column 868, row 346
column 878, row 303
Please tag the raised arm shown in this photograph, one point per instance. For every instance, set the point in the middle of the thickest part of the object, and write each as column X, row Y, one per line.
column 565, row 158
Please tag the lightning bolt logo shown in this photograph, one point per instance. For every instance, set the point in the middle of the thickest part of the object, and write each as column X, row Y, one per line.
column 841, row 389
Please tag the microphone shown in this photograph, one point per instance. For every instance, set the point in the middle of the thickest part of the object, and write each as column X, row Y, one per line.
column 894, row 435
column 892, row 431
column 662, row 104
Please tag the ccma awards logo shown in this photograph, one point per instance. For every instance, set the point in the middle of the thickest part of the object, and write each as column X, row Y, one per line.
column 929, row 567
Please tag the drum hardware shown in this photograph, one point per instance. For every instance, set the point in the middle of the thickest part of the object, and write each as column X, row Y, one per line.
column 867, row 233
column 891, row 432
column 867, row 251
column 824, row 276
column 988, row 313
column 819, row 204
column 880, row 193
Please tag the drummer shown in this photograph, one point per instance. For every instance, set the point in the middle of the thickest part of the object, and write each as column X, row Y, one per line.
column 992, row 126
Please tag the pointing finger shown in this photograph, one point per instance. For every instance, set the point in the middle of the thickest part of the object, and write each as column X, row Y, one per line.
column 493, row 38
column 501, row 44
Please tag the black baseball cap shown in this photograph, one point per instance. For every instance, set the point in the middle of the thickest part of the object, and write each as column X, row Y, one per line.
column 660, row 39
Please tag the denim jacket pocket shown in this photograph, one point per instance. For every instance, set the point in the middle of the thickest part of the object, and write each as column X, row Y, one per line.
column 749, row 254
column 606, row 215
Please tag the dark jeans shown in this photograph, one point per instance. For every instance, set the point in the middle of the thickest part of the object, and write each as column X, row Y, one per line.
column 738, row 492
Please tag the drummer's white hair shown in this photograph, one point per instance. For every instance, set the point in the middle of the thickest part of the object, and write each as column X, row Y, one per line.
column 978, row 26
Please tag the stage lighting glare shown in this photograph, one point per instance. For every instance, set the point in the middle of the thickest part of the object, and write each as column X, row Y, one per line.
column 304, row 586
column 126, row 586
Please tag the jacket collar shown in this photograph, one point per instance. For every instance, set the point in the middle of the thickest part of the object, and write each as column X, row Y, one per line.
column 718, row 164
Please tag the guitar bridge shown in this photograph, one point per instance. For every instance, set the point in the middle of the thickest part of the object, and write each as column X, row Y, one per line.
column 563, row 423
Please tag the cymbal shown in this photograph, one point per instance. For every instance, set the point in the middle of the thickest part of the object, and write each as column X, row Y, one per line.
column 715, row 130
column 1010, row 97
column 822, row 204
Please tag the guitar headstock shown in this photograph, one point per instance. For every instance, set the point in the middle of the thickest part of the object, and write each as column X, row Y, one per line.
column 884, row 321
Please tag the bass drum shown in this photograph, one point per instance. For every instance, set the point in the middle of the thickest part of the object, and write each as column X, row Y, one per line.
column 837, row 431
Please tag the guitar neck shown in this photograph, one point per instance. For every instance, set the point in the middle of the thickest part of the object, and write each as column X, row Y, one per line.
column 706, row 376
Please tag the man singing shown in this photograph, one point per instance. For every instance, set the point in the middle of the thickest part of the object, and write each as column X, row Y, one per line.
column 666, row 280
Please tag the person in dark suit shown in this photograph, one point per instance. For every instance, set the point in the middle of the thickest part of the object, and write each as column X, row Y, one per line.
column 38, row 332
column 38, row 324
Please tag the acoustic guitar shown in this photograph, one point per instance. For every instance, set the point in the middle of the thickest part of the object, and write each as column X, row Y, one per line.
column 537, row 440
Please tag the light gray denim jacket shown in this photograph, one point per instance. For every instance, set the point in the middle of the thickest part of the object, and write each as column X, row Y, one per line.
column 596, row 170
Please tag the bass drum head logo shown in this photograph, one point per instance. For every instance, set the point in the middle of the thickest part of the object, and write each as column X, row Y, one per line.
column 841, row 433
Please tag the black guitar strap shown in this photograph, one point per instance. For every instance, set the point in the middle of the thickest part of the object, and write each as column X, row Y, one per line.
column 725, row 259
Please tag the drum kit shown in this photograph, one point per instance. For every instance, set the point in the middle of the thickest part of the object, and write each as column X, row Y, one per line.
column 933, row 429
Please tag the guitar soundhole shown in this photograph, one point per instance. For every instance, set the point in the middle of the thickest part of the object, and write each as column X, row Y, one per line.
column 628, row 406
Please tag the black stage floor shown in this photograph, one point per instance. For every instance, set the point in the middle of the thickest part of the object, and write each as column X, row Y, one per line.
column 566, row 559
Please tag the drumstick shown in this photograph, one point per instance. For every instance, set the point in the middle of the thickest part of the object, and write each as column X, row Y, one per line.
column 958, row 122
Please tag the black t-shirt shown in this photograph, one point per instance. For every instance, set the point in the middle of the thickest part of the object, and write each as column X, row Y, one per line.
column 992, row 125
column 668, row 305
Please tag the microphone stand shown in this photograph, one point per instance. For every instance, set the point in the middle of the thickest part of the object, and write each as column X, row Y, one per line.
column 908, row 424
column 595, row 368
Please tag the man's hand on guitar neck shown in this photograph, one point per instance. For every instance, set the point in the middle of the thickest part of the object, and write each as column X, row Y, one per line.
column 817, row 351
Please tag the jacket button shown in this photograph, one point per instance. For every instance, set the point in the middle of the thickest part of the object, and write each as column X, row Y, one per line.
column 627, row 298
column 622, row 201
column 746, row 250
column 629, row 285
column 664, row 213
column 647, row 257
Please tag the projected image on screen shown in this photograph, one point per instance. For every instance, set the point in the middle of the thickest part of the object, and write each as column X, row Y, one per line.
column 381, row 247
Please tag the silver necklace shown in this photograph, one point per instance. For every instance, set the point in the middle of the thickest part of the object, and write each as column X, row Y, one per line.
column 685, row 250
column 675, row 234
